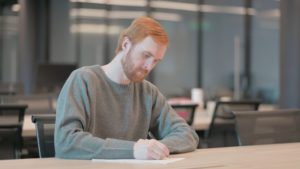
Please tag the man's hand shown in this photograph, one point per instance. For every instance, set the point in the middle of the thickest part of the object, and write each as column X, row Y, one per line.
column 150, row 150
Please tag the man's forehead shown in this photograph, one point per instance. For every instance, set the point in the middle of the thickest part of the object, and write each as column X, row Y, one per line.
column 148, row 40
column 149, row 45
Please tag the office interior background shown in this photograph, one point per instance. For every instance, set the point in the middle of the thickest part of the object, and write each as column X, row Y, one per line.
column 243, row 48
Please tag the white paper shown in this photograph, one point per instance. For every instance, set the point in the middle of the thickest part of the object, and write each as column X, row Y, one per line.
column 134, row 161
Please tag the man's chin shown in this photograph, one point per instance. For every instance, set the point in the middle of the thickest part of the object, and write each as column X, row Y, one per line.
column 138, row 79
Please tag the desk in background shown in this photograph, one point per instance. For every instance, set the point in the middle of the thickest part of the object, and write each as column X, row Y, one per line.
column 275, row 156
column 201, row 122
column 28, row 127
column 202, row 119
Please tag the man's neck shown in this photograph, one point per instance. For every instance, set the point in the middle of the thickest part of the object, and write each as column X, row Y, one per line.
column 114, row 70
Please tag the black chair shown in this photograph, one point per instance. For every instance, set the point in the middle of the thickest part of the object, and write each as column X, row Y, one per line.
column 45, row 125
column 186, row 111
column 37, row 104
column 267, row 127
column 11, row 124
column 221, row 132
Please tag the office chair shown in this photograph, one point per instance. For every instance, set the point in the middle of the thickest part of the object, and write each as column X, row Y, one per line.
column 268, row 127
column 186, row 111
column 221, row 131
column 11, row 124
column 45, row 134
column 37, row 104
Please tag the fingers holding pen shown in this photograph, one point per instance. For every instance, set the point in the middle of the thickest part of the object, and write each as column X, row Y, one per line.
column 150, row 149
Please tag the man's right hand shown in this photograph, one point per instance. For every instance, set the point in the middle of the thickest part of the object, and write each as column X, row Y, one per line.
column 150, row 150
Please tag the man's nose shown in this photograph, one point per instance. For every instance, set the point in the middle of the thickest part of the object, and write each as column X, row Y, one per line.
column 148, row 64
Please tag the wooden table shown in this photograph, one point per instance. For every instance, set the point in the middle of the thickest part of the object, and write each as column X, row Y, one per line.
column 28, row 127
column 202, row 119
column 276, row 156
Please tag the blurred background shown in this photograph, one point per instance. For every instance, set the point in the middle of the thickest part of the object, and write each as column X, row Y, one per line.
column 219, row 51
column 212, row 43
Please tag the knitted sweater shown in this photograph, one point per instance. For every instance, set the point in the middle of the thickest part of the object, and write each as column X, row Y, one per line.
column 98, row 118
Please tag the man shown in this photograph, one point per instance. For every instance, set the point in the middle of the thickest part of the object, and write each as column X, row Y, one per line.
column 107, row 111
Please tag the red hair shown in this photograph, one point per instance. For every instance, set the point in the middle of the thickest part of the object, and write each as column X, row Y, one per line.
column 142, row 27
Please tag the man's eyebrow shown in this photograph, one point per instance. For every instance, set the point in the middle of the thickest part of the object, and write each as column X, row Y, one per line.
column 149, row 53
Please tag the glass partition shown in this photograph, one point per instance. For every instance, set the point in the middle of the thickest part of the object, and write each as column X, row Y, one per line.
column 223, row 36
column 9, row 39
column 265, row 50
column 176, row 75
column 207, row 41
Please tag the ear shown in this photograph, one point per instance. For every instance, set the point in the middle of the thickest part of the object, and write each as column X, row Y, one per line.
column 126, row 44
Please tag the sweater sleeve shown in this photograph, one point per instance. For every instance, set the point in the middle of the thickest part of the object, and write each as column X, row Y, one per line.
column 72, row 139
column 171, row 129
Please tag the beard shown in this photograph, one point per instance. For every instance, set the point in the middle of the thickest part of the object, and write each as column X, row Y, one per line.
column 132, row 73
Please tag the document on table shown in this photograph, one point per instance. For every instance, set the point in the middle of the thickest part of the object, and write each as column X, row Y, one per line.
column 134, row 161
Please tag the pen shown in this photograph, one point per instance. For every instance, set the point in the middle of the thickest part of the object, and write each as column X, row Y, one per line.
column 150, row 135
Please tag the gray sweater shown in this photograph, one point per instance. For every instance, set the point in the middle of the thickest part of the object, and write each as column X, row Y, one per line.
column 98, row 118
